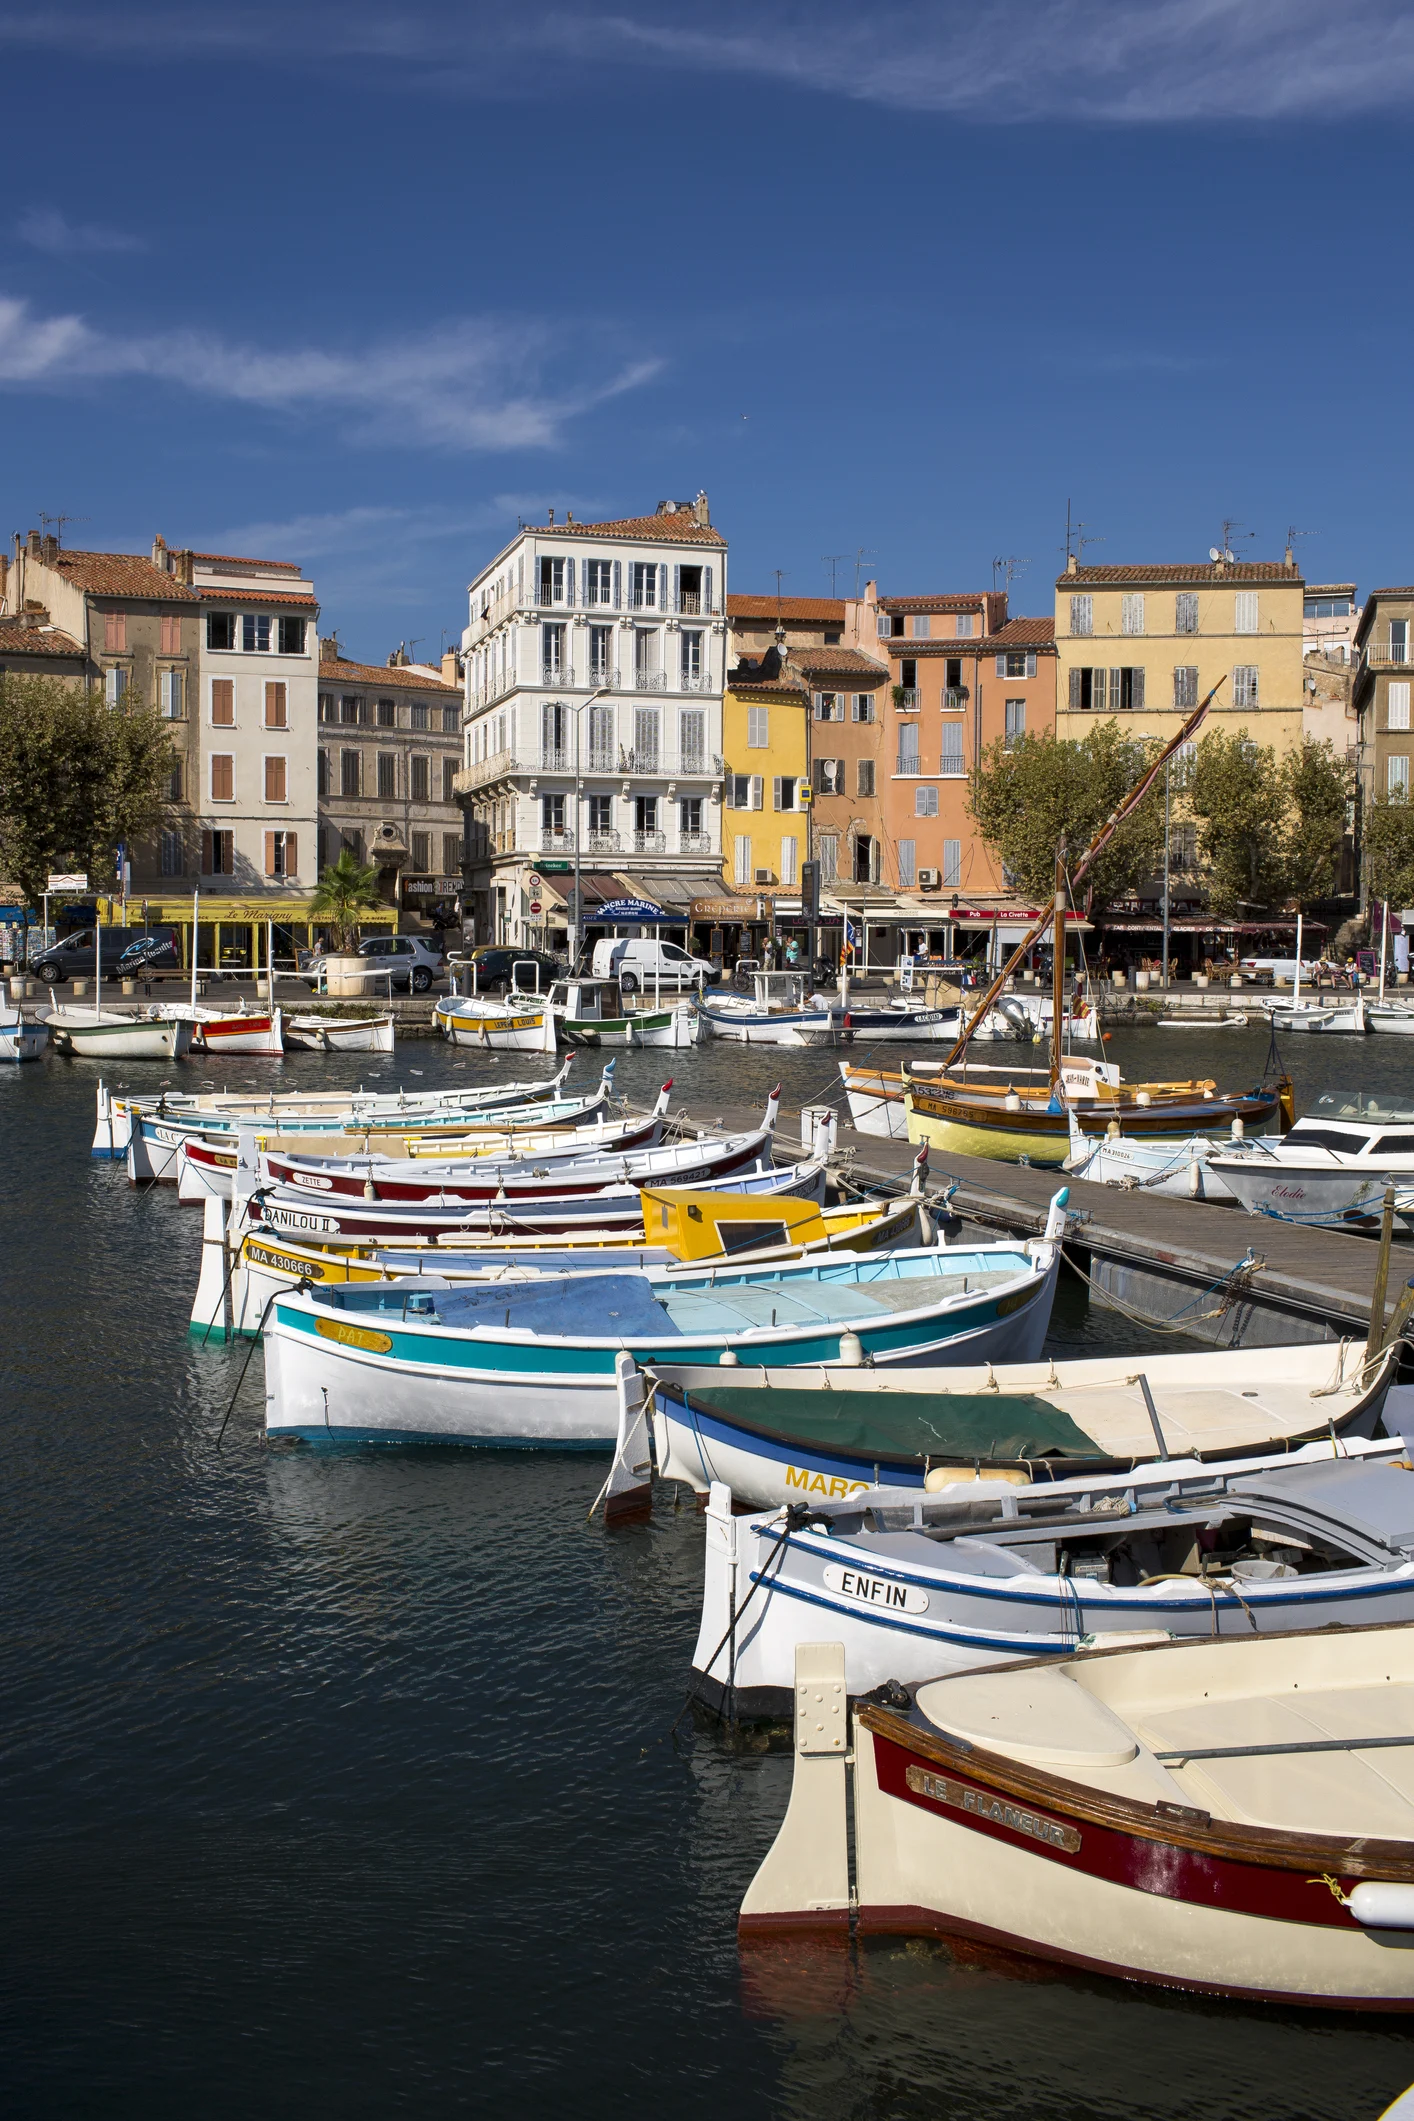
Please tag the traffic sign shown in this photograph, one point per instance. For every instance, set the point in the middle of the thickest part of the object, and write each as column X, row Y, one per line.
column 535, row 905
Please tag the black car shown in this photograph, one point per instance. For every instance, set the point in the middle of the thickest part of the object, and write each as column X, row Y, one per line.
column 72, row 957
column 496, row 969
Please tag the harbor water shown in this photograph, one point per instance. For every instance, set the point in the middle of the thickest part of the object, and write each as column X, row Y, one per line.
column 349, row 1783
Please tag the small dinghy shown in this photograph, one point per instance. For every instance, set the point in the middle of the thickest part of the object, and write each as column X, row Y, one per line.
column 780, row 1436
column 1232, row 1020
column 522, row 1023
column 535, row 1362
column 1233, row 1818
column 106, row 1034
column 777, row 1012
column 240, row 1030
column 340, row 1034
column 22, row 1037
column 915, row 1584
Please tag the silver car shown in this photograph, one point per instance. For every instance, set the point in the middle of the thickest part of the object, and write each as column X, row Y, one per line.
column 406, row 960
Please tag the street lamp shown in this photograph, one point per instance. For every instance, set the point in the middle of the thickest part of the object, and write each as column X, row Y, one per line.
column 576, row 924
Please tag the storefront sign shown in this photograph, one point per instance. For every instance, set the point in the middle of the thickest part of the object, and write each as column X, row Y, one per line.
column 429, row 887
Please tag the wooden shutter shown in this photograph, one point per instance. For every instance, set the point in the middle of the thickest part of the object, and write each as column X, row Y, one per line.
column 207, row 853
column 758, row 791
column 1136, row 678
column 1075, row 688
column 274, row 780
column 270, row 854
column 223, row 703
column 777, row 785
column 662, row 585
column 223, row 778
column 677, row 589
column 275, row 704
column 618, row 585
column 1001, row 666
column 706, row 591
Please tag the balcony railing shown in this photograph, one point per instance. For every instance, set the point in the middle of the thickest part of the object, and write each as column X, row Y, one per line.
column 554, row 839
column 650, row 843
column 496, row 768
column 641, row 761
column 952, row 767
column 600, row 674
column 1388, row 655
column 955, row 697
column 555, row 760
column 907, row 698
column 695, row 681
column 694, row 843
column 604, row 842
column 650, row 681
column 557, row 673
column 908, row 762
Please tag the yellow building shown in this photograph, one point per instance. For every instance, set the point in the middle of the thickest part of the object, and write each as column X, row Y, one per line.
column 765, row 789
column 1145, row 644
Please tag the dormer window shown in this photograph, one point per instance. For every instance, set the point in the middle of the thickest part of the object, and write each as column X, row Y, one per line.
column 255, row 632
column 964, row 624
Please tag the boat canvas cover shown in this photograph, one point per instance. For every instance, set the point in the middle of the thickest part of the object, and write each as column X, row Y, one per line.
column 570, row 1307
column 1350, row 1495
column 888, row 1426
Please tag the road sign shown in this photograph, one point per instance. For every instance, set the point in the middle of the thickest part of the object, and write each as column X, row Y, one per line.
column 533, row 880
column 67, row 883
column 535, row 905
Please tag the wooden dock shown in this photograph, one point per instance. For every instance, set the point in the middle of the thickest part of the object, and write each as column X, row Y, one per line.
column 1153, row 1255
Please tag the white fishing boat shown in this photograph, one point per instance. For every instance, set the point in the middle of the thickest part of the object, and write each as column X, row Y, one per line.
column 521, row 1023
column 535, row 1362
column 340, row 1034
column 985, row 1571
column 240, row 1030
column 1233, row 1818
column 1395, row 1017
column 777, row 1012
column 22, row 1037
column 1335, row 1014
column 107, row 1034
column 781, row 1436
column 593, row 1012
column 904, row 1020
column 1229, row 1020
column 1027, row 1018
column 1178, row 1169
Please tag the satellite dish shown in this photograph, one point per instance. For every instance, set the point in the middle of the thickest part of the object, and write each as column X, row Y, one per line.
column 1213, row 553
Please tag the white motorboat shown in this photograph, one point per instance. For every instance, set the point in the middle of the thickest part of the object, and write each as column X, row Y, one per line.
column 1233, row 1818
column 593, row 1012
column 1231, row 1020
column 104, row 1034
column 340, row 1034
column 1028, row 1017
column 1178, row 1169
column 22, row 1037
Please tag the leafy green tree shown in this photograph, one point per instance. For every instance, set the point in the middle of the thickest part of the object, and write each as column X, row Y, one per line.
column 1235, row 792
column 1389, row 848
column 1318, row 788
column 1026, row 798
column 76, row 778
column 347, row 888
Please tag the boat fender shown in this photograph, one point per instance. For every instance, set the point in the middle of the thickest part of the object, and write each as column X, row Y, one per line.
column 1142, row 1097
column 1112, row 1130
column 1237, row 1130
column 730, row 1359
column 851, row 1351
column 1379, row 1905
column 1013, row 1102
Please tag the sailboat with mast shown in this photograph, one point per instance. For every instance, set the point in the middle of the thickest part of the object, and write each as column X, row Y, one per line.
column 1018, row 1119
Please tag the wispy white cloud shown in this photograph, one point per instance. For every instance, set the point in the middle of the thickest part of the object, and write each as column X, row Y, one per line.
column 45, row 228
column 1126, row 61
column 462, row 385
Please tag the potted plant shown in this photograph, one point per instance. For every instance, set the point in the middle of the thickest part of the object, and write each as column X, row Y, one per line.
column 347, row 888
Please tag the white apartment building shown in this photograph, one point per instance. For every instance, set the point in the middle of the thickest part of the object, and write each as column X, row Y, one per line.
column 256, row 798
column 594, row 668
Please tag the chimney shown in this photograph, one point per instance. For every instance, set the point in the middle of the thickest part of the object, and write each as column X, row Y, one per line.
column 451, row 669
column 329, row 651
column 701, row 513
column 1291, row 559
column 181, row 566
column 1072, row 565
column 552, row 515
column 161, row 558
column 34, row 544
column 50, row 547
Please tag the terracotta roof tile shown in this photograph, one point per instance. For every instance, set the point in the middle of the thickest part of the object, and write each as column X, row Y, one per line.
column 37, row 640
column 680, row 529
column 225, row 593
column 1023, row 633
column 826, row 611
column 973, row 602
column 120, row 574
column 740, row 682
column 342, row 672
column 235, row 559
column 1197, row 574
column 838, row 662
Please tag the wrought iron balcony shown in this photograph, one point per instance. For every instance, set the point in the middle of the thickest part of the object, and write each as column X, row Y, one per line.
column 694, row 843
column 602, row 842
column 909, row 763
column 907, row 698
column 601, row 674
column 955, row 698
column 649, row 681
column 1387, row 655
column 598, row 759
column 556, row 840
column 555, row 760
column 650, row 843
column 557, row 673
column 696, row 681
column 953, row 767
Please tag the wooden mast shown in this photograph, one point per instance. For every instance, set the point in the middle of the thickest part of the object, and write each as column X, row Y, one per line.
column 1057, row 965
column 1096, row 848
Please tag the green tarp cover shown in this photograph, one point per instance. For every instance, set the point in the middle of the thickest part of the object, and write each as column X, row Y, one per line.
column 902, row 1425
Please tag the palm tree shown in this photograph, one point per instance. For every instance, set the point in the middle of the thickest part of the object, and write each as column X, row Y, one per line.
column 347, row 888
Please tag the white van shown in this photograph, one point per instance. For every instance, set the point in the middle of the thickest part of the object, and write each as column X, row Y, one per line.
column 638, row 961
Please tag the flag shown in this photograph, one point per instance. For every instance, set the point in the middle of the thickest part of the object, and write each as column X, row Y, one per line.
column 851, row 933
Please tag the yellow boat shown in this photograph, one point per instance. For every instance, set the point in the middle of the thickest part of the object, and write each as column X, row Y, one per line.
column 1011, row 1124
column 680, row 1224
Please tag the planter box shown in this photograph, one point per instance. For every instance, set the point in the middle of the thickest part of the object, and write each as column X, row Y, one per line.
column 344, row 977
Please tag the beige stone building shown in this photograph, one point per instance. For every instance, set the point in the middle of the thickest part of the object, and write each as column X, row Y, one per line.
column 1144, row 644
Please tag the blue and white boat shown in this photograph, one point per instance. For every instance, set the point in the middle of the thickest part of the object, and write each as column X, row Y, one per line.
column 917, row 1585
column 533, row 1363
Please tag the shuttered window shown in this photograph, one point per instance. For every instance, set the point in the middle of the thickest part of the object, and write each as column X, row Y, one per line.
column 350, row 774
column 1015, row 722
column 790, row 847
column 1245, row 680
column 419, row 778
column 741, row 861
column 451, row 853
column 1397, row 777
column 171, row 695
column 828, row 846
column 864, row 707
column 864, row 777
column 952, row 749
column 783, row 792
column 422, row 849
column 115, row 632
column 907, row 864
column 275, row 780
column 223, row 777
column 115, row 684
column 387, row 775
column 280, row 854
column 952, row 862
column 276, row 705
column 758, row 728
column 449, row 775
column 1185, row 611
column 1245, row 611
column 1398, row 700
column 218, row 853
column 170, row 636
column 1185, row 685
column 1082, row 615
column 925, row 802
column 1131, row 613
column 223, row 703
column 322, row 773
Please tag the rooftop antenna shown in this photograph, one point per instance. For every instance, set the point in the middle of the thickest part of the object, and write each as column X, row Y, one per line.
column 865, row 552
column 1230, row 524
column 1075, row 541
column 59, row 522
column 1009, row 569
column 832, row 560
column 1292, row 534
column 410, row 645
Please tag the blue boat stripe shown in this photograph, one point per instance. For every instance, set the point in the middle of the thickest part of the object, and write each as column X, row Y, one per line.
column 1026, row 1646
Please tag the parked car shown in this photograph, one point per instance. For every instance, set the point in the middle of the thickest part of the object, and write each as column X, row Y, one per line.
column 408, row 960
column 72, row 956
column 496, row 971
column 646, row 961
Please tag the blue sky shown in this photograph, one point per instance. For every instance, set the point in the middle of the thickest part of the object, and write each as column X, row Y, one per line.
column 358, row 288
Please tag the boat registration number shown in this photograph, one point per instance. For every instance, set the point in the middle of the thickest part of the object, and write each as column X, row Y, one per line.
column 294, row 1219
column 284, row 1265
column 998, row 1810
column 877, row 1591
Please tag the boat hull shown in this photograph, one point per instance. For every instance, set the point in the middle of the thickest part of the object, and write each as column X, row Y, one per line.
column 239, row 1034
column 330, row 1034
column 1292, row 1193
column 22, row 1041
column 962, row 1127
column 126, row 1038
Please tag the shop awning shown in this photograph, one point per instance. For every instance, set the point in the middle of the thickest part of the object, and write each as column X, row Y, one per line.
column 1196, row 924
column 674, row 893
